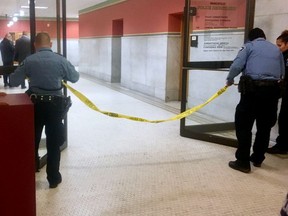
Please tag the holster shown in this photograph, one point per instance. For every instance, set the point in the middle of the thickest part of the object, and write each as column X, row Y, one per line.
column 246, row 85
column 62, row 104
column 66, row 103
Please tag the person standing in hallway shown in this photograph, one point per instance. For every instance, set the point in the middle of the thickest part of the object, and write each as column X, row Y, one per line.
column 281, row 146
column 45, row 71
column 262, row 67
column 7, row 52
column 22, row 50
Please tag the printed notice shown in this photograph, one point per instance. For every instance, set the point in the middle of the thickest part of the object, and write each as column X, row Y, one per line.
column 219, row 14
column 219, row 29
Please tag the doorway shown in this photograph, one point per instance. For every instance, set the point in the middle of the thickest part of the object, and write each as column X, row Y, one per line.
column 174, row 57
column 117, row 34
column 212, row 37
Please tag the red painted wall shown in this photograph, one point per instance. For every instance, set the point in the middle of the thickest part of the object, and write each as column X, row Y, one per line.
column 139, row 17
column 17, row 27
column 41, row 25
column 158, row 16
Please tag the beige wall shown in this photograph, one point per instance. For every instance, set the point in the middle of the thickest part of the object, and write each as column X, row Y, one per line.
column 272, row 17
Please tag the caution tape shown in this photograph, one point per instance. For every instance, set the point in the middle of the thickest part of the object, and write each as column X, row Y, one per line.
column 188, row 112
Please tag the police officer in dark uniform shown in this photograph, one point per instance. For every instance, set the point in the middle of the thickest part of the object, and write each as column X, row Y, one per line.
column 262, row 67
column 45, row 71
column 281, row 146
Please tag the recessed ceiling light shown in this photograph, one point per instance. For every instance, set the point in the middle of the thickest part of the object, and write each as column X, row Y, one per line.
column 36, row 7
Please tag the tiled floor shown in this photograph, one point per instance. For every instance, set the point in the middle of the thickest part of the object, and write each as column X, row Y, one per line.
column 119, row 167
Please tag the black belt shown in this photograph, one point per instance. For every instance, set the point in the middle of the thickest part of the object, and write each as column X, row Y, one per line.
column 45, row 98
column 266, row 82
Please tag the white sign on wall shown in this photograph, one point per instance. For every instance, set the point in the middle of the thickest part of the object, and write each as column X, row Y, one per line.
column 215, row 46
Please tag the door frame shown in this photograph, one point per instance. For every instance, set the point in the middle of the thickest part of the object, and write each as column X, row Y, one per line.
column 204, row 131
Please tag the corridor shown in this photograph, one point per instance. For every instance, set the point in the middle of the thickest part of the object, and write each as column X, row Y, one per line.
column 117, row 167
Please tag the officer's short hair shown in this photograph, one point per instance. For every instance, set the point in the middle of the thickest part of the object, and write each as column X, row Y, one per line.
column 284, row 36
column 42, row 38
column 256, row 33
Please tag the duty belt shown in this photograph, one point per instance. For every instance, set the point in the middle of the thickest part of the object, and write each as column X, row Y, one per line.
column 61, row 102
column 45, row 98
column 266, row 82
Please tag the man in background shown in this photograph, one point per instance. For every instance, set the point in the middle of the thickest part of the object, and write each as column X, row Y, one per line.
column 7, row 53
column 22, row 50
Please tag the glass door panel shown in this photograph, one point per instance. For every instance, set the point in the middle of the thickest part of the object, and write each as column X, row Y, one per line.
column 214, row 33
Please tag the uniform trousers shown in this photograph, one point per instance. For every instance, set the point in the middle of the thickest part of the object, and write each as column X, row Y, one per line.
column 47, row 114
column 6, row 76
column 6, row 79
column 259, row 106
column 282, row 139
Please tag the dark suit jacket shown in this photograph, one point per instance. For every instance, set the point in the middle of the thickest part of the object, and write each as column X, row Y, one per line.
column 7, row 52
column 22, row 48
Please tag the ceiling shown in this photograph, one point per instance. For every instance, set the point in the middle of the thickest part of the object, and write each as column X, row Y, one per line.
column 10, row 7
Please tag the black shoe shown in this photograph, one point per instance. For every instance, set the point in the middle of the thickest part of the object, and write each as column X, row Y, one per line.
column 240, row 166
column 55, row 184
column 276, row 150
column 23, row 87
column 256, row 164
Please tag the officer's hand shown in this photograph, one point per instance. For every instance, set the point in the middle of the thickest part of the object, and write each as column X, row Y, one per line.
column 229, row 82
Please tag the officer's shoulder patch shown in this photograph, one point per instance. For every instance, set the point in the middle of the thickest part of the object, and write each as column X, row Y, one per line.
column 242, row 48
column 22, row 64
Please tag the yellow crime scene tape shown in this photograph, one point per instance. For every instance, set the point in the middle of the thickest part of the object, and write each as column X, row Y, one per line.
column 188, row 112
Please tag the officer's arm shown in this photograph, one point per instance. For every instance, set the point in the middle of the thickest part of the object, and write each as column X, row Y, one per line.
column 237, row 66
column 70, row 73
column 18, row 76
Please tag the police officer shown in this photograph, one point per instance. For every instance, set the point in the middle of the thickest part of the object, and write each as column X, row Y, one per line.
column 45, row 71
column 262, row 67
column 281, row 146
